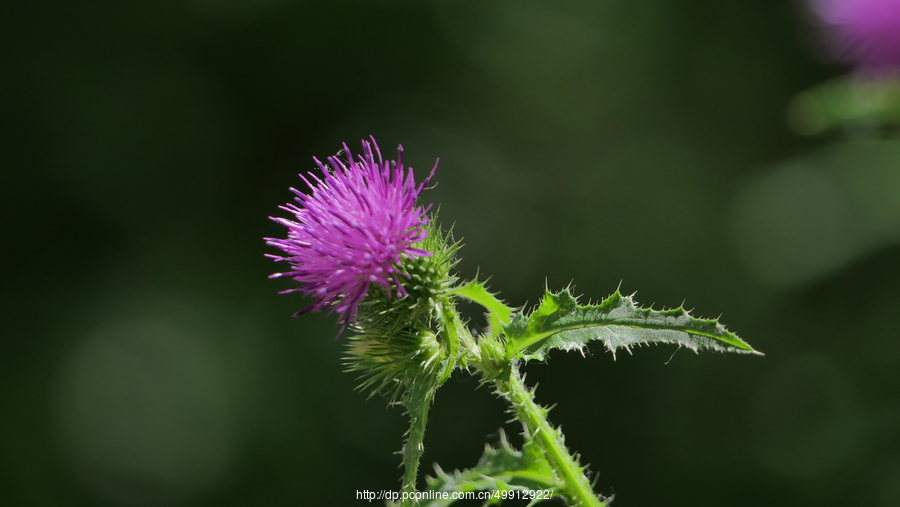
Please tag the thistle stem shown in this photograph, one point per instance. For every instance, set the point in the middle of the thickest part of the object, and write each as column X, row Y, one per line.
column 419, row 400
column 575, row 486
column 451, row 334
column 417, row 406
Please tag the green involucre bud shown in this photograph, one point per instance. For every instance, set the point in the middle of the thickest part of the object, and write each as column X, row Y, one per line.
column 430, row 278
column 391, row 363
column 398, row 339
column 425, row 281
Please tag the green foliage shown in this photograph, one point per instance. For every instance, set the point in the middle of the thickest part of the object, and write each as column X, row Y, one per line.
column 500, row 469
column 559, row 322
column 406, row 348
column 498, row 313
column 573, row 484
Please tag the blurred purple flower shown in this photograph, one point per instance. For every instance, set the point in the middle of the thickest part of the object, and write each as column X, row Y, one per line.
column 863, row 32
column 352, row 230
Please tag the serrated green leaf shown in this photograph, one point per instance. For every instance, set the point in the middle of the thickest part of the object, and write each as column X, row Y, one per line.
column 559, row 322
column 498, row 313
column 500, row 468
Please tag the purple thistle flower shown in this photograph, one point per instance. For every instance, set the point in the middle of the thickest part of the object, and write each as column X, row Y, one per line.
column 353, row 230
column 863, row 32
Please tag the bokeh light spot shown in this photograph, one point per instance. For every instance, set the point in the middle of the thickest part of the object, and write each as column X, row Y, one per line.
column 792, row 225
column 143, row 410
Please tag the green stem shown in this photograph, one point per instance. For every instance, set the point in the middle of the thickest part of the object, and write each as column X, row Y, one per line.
column 418, row 401
column 417, row 406
column 575, row 486
column 454, row 333
column 450, row 335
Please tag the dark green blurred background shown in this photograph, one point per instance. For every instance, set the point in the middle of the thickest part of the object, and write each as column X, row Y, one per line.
column 147, row 361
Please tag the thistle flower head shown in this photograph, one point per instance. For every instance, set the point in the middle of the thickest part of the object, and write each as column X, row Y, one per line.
column 863, row 32
column 354, row 229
